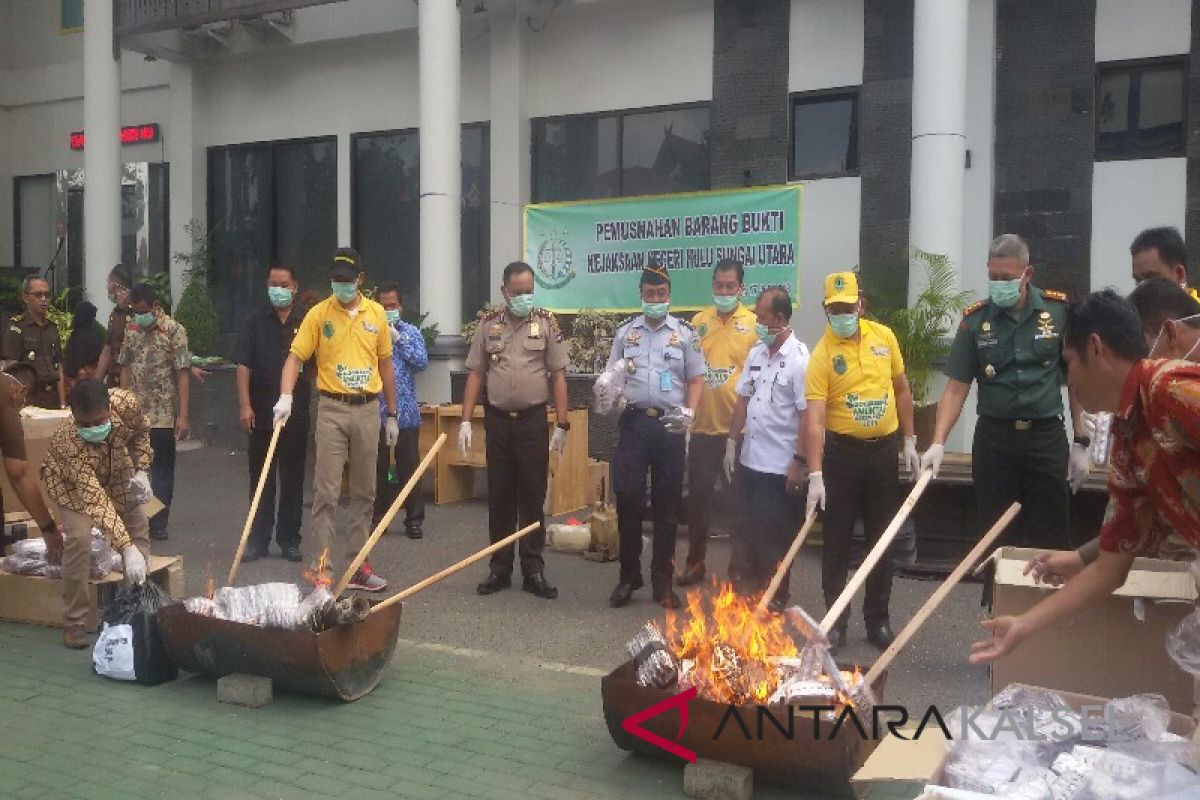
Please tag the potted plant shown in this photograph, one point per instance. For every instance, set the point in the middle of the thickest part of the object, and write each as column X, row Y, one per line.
column 196, row 311
column 922, row 330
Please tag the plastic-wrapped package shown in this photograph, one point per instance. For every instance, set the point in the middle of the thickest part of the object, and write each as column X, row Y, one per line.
column 978, row 772
column 656, row 665
column 272, row 605
column 104, row 558
column 30, row 548
column 1142, row 716
column 204, row 606
column 609, row 389
column 28, row 565
column 1116, row 776
column 1016, row 695
column 1183, row 643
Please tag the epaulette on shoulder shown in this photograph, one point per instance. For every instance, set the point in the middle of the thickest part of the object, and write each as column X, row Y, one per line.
column 493, row 314
column 1054, row 294
column 685, row 323
column 971, row 309
column 17, row 317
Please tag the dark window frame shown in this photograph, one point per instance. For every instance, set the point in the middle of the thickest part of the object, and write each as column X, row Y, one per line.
column 619, row 114
column 853, row 93
column 16, row 199
column 1134, row 67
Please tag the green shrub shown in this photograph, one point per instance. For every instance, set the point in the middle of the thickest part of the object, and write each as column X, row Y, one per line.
column 196, row 310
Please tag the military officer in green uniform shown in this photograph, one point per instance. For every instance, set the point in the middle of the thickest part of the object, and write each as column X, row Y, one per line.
column 32, row 338
column 1012, row 344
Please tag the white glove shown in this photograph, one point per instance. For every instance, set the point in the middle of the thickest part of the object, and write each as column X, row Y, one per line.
column 1087, row 422
column 1078, row 466
column 816, row 493
column 912, row 461
column 464, row 437
column 282, row 409
column 558, row 442
column 679, row 420
column 730, row 463
column 394, row 333
column 391, row 431
column 932, row 459
column 135, row 564
column 609, row 386
column 139, row 487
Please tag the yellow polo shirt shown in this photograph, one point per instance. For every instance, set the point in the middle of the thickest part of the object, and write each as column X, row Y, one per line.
column 725, row 345
column 854, row 378
column 347, row 348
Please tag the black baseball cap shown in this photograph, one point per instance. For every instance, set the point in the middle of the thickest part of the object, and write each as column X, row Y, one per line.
column 346, row 265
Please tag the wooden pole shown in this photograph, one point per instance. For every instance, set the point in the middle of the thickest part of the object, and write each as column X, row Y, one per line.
column 877, row 552
column 258, row 490
column 389, row 516
column 448, row 571
column 786, row 563
column 935, row 600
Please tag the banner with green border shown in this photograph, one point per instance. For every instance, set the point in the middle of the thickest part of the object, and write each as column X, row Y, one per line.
column 590, row 254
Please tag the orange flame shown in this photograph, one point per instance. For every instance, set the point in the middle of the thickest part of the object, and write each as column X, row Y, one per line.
column 320, row 576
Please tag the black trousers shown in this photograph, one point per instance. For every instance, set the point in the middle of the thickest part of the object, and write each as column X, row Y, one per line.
column 408, row 457
column 644, row 444
column 1008, row 465
column 162, row 476
column 518, row 461
column 706, row 456
column 770, row 521
column 862, row 479
column 285, row 480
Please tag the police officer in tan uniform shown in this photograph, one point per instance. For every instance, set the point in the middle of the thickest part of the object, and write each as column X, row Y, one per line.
column 34, row 339
column 520, row 352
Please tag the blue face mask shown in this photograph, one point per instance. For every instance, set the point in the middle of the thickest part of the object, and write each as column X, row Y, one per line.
column 144, row 320
column 96, row 433
column 725, row 302
column 344, row 292
column 655, row 310
column 280, row 296
column 393, row 315
column 521, row 305
column 843, row 325
column 1005, row 293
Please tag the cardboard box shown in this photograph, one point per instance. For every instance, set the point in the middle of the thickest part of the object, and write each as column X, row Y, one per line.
column 600, row 480
column 1114, row 649
column 38, row 601
column 900, row 768
column 38, row 424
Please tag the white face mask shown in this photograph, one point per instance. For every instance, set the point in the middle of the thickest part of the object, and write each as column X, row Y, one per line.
column 1187, row 356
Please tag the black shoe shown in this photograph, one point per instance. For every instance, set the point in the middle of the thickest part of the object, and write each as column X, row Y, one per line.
column 836, row 637
column 291, row 552
column 667, row 599
column 414, row 531
column 880, row 635
column 252, row 553
column 494, row 583
column 536, row 584
column 693, row 573
column 624, row 592
column 161, row 536
column 777, row 605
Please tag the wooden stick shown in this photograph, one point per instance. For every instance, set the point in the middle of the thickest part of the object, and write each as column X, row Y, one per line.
column 877, row 552
column 389, row 516
column 258, row 490
column 786, row 563
column 935, row 600
column 448, row 571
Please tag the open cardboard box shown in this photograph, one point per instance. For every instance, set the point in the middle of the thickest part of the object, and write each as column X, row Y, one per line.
column 900, row 768
column 38, row 425
column 1115, row 649
column 27, row 598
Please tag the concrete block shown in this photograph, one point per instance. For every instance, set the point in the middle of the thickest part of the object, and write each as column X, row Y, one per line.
column 244, row 690
column 717, row 780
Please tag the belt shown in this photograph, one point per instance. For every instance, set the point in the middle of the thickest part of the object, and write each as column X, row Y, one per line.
column 351, row 399
column 1024, row 424
column 843, row 438
column 525, row 412
column 648, row 412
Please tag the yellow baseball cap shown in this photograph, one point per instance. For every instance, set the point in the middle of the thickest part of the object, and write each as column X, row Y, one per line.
column 841, row 287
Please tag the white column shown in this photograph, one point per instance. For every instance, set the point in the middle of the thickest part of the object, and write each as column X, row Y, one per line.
column 939, row 118
column 510, row 142
column 101, row 153
column 441, row 170
column 187, row 168
column 343, row 194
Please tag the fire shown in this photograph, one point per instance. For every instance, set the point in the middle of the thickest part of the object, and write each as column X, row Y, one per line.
column 320, row 576
column 731, row 647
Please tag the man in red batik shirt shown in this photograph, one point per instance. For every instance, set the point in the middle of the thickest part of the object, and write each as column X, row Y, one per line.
column 1154, row 473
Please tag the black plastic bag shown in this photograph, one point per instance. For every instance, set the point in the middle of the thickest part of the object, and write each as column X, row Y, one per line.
column 130, row 647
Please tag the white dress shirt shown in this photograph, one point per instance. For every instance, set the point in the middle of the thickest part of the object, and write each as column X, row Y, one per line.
column 775, row 386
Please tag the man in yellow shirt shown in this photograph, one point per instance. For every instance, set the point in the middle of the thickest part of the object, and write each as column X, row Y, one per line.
column 726, row 332
column 350, row 338
column 857, row 398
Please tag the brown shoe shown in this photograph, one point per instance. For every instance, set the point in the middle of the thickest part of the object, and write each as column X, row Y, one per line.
column 76, row 637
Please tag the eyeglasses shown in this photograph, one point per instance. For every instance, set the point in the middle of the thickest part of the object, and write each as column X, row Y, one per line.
column 39, row 295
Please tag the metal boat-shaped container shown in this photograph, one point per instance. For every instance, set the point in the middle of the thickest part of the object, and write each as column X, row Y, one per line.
column 345, row 662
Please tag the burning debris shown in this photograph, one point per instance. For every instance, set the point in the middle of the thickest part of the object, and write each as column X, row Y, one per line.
column 732, row 654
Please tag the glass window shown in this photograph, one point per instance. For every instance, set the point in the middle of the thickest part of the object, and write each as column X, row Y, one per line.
column 476, row 218
column 1140, row 110
column 305, row 210
column 664, row 152
column 70, row 16
column 37, row 237
column 575, row 157
column 825, row 135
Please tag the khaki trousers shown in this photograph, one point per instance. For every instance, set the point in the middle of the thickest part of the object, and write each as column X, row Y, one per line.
column 77, row 556
column 344, row 434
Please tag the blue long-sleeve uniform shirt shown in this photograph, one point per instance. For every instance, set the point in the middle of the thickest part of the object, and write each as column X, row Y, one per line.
column 408, row 356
